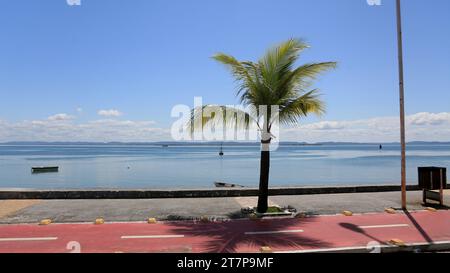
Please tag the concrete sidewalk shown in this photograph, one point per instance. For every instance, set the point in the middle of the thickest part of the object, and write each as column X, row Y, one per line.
column 24, row 211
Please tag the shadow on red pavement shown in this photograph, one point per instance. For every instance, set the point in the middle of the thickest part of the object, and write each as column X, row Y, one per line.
column 418, row 227
column 357, row 229
column 233, row 236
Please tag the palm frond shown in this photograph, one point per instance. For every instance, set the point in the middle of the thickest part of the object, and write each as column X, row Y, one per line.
column 308, row 103
column 274, row 80
column 278, row 62
column 300, row 79
column 219, row 116
column 243, row 72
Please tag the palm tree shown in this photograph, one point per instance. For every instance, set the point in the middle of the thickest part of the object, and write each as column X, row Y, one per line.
column 271, row 81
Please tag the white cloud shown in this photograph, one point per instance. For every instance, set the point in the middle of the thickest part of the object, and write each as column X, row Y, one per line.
column 109, row 113
column 326, row 125
column 419, row 127
column 425, row 118
column 60, row 117
column 97, row 130
column 61, row 127
column 79, row 109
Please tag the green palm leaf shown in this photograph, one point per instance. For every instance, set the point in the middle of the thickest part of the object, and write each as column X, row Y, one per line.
column 274, row 80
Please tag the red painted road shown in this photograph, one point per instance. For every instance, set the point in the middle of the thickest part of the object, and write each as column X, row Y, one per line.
column 312, row 233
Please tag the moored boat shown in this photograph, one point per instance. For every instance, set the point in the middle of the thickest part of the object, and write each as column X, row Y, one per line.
column 221, row 151
column 227, row 185
column 44, row 169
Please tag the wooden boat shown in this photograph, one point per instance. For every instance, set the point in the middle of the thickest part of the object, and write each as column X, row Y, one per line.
column 227, row 185
column 44, row 169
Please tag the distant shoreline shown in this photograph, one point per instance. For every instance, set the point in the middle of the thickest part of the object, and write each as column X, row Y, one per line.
column 214, row 143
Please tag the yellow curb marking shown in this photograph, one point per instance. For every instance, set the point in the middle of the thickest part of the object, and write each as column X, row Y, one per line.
column 390, row 210
column 99, row 221
column 397, row 242
column 347, row 213
column 45, row 222
column 265, row 249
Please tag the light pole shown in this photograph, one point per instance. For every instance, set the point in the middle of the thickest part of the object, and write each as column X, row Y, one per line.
column 402, row 103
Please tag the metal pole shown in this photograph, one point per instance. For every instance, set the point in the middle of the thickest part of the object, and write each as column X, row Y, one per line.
column 402, row 103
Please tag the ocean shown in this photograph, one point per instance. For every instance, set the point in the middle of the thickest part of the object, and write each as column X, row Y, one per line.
column 158, row 167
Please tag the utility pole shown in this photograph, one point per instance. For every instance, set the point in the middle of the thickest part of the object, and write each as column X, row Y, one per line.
column 402, row 103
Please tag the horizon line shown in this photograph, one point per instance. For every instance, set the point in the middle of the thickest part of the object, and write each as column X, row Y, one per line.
column 209, row 142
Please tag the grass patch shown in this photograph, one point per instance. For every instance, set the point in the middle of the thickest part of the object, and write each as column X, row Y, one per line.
column 274, row 210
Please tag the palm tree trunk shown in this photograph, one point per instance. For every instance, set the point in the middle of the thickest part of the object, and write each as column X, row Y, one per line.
column 264, row 178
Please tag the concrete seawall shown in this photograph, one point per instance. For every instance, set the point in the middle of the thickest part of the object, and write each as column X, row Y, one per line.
column 194, row 193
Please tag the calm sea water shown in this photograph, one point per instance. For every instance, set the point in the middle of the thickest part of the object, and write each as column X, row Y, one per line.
column 199, row 166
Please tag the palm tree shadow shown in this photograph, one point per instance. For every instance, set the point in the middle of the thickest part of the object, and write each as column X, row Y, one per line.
column 231, row 235
column 357, row 229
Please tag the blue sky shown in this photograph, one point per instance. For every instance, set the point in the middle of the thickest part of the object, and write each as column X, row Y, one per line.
column 137, row 59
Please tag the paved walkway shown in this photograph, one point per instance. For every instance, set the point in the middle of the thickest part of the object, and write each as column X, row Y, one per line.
column 367, row 232
column 64, row 211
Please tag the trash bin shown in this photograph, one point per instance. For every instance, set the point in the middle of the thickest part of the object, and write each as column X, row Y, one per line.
column 431, row 178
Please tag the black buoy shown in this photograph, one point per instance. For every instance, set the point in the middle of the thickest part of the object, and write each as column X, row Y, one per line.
column 221, row 151
column 381, row 147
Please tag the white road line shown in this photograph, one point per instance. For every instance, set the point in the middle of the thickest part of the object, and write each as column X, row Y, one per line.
column 384, row 226
column 28, row 239
column 273, row 232
column 327, row 249
column 151, row 236
column 436, row 244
